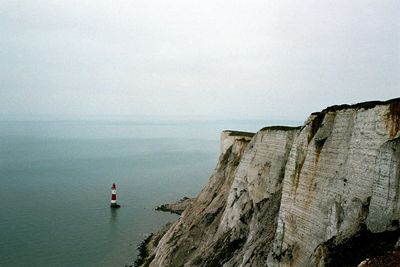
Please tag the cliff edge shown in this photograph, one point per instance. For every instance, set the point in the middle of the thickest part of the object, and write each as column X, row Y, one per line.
column 323, row 194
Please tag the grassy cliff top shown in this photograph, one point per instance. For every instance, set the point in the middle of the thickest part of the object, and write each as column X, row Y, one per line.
column 281, row 128
column 239, row 133
column 362, row 105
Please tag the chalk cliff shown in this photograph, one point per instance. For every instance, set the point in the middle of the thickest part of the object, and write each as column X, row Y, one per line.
column 323, row 194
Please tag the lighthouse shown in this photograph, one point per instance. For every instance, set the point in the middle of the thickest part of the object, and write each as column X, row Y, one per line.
column 114, row 197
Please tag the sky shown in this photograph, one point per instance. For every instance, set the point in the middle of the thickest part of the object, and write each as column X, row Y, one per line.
column 272, row 59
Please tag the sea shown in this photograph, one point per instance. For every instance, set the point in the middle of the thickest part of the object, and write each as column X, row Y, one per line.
column 56, row 177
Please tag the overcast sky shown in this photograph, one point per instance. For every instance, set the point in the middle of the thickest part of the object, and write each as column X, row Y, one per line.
column 272, row 59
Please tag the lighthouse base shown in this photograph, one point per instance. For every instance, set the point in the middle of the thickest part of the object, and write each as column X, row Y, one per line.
column 115, row 206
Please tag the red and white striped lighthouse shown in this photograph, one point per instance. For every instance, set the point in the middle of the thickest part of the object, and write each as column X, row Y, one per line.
column 114, row 197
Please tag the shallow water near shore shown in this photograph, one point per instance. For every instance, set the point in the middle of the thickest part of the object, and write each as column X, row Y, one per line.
column 56, row 178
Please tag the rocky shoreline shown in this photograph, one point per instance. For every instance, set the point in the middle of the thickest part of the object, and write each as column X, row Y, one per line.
column 379, row 257
column 177, row 207
column 149, row 244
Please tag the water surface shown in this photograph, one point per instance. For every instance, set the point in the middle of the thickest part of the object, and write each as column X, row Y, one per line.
column 56, row 178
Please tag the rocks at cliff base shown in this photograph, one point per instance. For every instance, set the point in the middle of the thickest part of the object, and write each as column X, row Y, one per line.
column 177, row 207
column 323, row 194
column 147, row 247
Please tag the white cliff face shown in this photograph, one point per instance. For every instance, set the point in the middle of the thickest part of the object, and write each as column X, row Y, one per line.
column 296, row 196
column 254, row 196
column 337, row 179
column 229, row 137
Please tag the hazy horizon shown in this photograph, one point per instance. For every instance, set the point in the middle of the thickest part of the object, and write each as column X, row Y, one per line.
column 272, row 60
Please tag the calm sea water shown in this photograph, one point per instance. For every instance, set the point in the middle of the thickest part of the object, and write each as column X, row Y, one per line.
column 56, row 176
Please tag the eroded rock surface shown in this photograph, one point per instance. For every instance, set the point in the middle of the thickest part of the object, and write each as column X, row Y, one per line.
column 297, row 196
